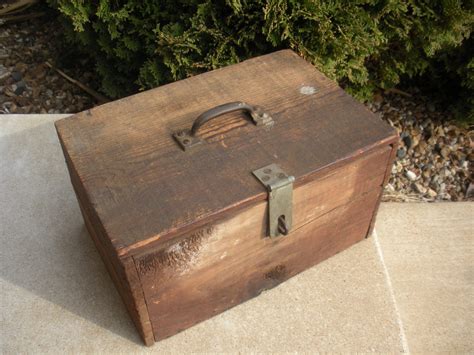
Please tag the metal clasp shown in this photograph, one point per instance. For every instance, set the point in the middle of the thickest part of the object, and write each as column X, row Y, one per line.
column 280, row 198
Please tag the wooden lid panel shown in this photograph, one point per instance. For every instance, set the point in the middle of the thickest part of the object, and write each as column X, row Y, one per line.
column 144, row 187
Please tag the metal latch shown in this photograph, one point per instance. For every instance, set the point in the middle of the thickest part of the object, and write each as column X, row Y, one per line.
column 280, row 198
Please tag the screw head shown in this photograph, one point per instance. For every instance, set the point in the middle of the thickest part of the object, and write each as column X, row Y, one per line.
column 267, row 171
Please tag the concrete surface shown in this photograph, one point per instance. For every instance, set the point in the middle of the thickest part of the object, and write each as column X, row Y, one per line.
column 429, row 253
column 408, row 288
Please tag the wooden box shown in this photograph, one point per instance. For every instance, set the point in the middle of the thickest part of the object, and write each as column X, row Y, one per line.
column 281, row 170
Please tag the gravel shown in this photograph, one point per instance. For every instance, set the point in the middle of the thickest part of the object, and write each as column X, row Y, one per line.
column 435, row 154
column 433, row 160
column 27, row 84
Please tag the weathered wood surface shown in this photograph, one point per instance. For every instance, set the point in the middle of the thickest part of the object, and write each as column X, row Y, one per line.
column 122, row 270
column 388, row 171
column 225, row 263
column 144, row 189
column 183, row 234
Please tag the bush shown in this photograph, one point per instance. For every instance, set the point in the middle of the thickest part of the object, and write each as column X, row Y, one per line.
column 365, row 44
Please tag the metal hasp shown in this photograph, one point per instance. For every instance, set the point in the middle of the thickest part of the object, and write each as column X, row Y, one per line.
column 280, row 198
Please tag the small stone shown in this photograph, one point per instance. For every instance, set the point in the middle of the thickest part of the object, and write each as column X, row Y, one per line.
column 19, row 88
column 419, row 188
column 431, row 193
column 422, row 144
column 446, row 196
column 16, row 75
column 470, row 190
column 445, row 152
column 407, row 141
column 411, row 175
column 4, row 73
column 454, row 196
column 401, row 152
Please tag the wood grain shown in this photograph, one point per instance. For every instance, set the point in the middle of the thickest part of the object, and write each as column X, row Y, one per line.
column 122, row 270
column 145, row 189
column 228, row 262
column 388, row 172
column 183, row 234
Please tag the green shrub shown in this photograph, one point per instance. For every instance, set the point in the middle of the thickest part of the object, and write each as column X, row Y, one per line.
column 364, row 44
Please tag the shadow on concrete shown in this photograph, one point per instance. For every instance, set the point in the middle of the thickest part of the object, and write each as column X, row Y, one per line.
column 45, row 246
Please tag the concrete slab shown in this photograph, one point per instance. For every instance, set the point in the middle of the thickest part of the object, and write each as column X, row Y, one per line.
column 429, row 254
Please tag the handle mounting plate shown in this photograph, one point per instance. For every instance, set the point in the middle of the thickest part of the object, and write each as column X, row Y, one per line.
column 186, row 140
column 280, row 198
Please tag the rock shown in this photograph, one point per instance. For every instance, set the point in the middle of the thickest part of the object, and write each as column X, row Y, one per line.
column 407, row 141
column 454, row 195
column 445, row 152
column 431, row 193
column 421, row 147
column 470, row 190
column 3, row 54
column 446, row 196
column 419, row 188
column 20, row 87
column 4, row 72
column 411, row 175
column 16, row 75
column 401, row 152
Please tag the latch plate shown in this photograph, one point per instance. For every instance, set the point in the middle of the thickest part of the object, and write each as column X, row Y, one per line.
column 280, row 198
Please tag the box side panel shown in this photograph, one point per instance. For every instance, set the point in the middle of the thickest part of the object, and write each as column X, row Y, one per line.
column 122, row 271
column 229, row 262
column 388, row 172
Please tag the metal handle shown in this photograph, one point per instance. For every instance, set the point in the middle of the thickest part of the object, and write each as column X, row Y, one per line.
column 189, row 138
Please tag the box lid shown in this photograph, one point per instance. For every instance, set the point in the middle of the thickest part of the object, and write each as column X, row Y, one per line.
column 145, row 188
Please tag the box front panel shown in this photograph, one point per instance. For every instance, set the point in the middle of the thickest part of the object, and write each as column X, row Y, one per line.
column 226, row 263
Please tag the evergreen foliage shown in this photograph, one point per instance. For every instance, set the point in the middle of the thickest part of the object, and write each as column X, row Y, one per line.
column 363, row 44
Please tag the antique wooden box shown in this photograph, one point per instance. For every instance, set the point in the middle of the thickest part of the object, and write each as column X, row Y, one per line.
column 203, row 193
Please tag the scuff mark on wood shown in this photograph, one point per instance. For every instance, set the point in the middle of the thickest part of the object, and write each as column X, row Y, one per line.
column 176, row 256
column 277, row 273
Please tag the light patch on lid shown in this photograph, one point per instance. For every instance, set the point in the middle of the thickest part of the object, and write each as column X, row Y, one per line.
column 308, row 90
